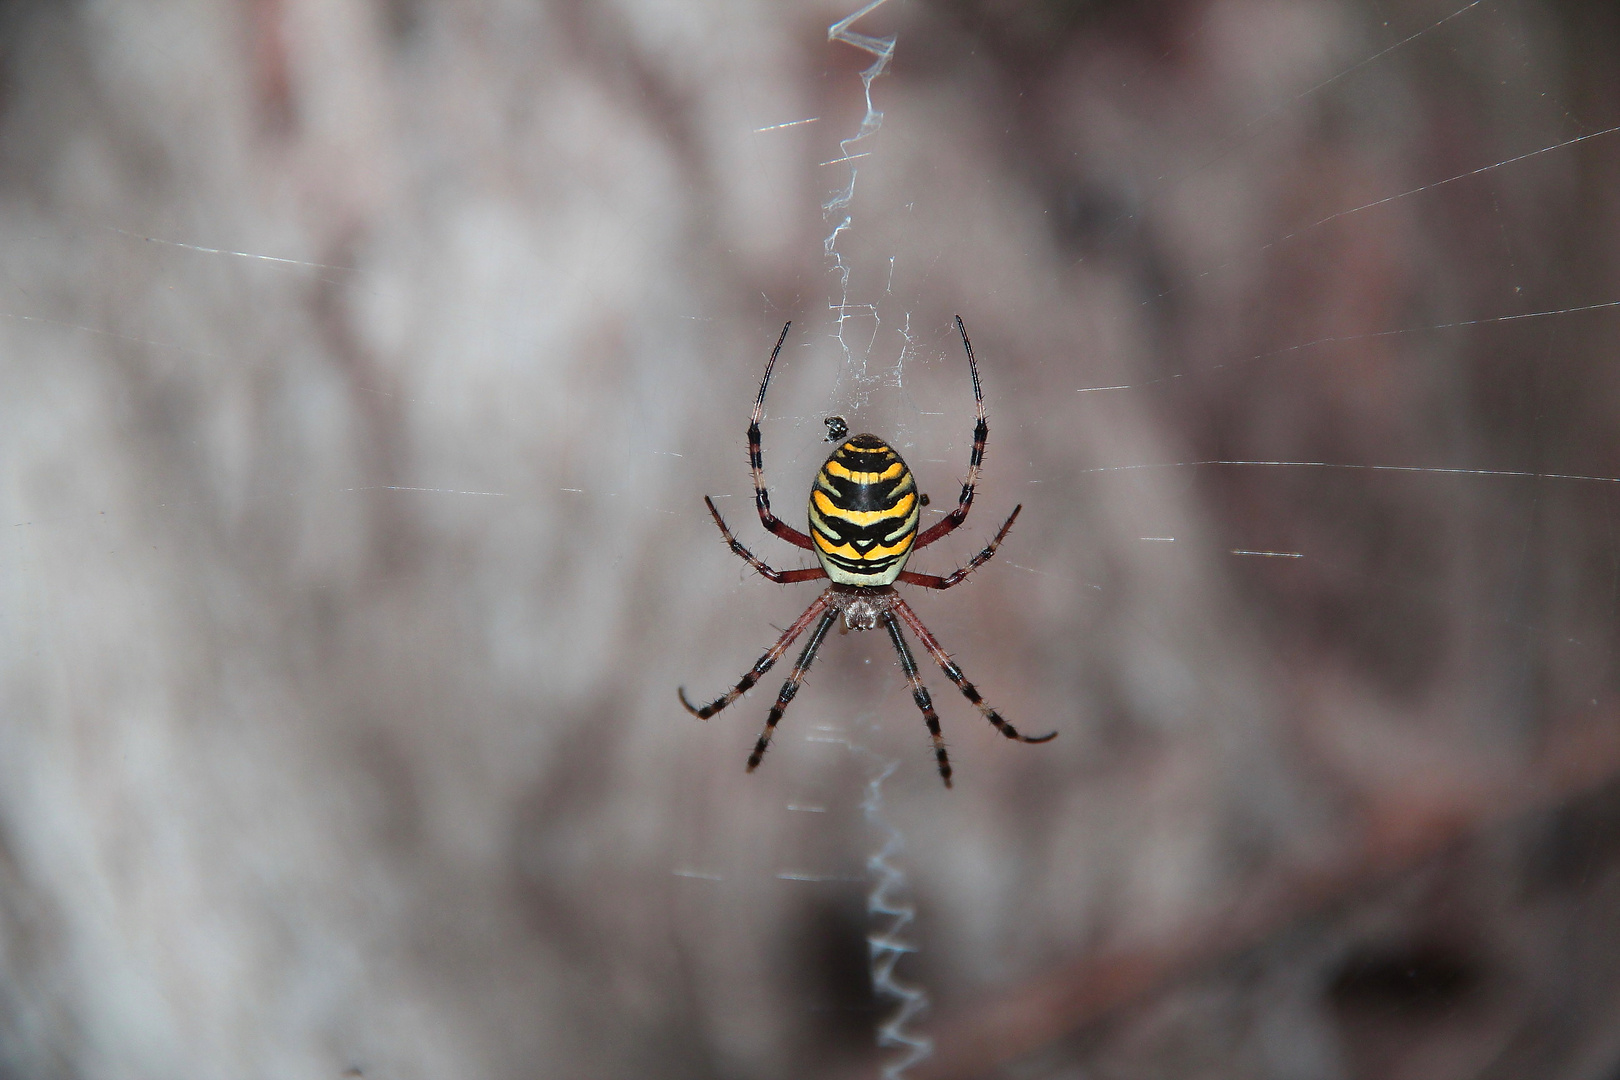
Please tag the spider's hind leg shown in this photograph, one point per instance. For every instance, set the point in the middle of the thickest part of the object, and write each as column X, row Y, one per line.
column 919, row 694
column 764, row 663
column 790, row 688
column 954, row 673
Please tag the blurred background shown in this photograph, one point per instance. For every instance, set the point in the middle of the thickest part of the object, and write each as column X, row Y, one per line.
column 364, row 363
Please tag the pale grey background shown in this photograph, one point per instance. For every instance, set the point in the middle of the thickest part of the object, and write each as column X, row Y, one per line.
column 347, row 581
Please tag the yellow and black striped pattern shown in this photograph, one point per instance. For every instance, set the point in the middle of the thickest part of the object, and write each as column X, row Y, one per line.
column 864, row 509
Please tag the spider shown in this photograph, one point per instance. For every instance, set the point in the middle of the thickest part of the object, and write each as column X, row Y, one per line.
column 864, row 510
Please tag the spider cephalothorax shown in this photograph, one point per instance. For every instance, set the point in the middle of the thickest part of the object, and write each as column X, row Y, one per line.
column 864, row 513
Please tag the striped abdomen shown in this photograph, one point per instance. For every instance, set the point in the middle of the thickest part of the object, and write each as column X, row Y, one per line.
column 863, row 513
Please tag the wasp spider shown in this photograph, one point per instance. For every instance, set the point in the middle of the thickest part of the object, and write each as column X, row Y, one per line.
column 864, row 512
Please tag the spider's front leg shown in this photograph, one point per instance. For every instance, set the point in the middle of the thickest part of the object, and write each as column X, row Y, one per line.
column 756, row 460
column 981, row 434
column 781, row 577
column 956, row 577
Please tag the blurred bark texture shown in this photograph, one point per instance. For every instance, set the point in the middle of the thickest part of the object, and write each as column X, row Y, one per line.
column 363, row 364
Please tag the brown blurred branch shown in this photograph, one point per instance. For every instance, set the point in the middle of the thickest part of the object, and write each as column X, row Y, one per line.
column 1399, row 833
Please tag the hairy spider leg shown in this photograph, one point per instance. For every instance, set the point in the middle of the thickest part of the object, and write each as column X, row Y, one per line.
column 756, row 459
column 956, row 577
column 763, row 664
column 981, row 432
column 919, row 694
column 781, row 577
column 791, row 687
column 954, row 673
